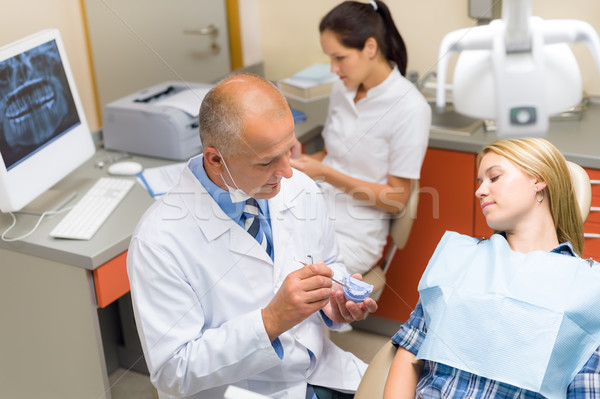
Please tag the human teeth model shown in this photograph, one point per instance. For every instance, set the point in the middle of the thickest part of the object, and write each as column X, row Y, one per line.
column 354, row 289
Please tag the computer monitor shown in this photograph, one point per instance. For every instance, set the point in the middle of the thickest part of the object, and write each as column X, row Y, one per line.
column 44, row 134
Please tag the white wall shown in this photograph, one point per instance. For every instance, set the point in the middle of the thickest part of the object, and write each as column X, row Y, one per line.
column 22, row 18
column 249, row 11
column 585, row 10
column 290, row 38
column 284, row 33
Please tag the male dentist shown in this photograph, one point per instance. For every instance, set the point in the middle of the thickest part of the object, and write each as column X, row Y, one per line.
column 231, row 270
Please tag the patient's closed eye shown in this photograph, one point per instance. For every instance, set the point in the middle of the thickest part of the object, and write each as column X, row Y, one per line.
column 492, row 179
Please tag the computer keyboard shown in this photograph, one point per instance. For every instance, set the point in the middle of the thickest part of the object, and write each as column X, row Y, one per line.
column 92, row 210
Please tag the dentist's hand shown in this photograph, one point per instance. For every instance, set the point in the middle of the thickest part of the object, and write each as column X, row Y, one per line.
column 341, row 310
column 303, row 292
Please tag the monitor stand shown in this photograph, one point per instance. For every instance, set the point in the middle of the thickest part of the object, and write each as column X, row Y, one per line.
column 50, row 201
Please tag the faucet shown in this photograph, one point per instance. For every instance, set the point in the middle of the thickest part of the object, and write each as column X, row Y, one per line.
column 413, row 77
column 421, row 83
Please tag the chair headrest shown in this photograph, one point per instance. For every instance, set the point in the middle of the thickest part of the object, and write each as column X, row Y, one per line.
column 582, row 187
column 402, row 224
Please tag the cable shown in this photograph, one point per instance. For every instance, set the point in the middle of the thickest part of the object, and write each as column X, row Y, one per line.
column 14, row 222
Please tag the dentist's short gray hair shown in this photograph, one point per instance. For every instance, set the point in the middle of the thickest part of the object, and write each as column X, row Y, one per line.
column 222, row 112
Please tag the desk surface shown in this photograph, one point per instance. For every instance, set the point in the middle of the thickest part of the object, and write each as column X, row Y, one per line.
column 111, row 239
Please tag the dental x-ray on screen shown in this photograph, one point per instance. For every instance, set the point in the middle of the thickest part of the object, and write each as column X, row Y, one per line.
column 36, row 107
column 43, row 130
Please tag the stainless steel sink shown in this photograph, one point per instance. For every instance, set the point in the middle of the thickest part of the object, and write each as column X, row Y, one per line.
column 452, row 122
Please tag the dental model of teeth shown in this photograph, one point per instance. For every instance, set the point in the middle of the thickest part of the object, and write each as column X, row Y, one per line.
column 355, row 290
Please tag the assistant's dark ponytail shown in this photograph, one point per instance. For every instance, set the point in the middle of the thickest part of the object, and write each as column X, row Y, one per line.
column 354, row 22
column 396, row 49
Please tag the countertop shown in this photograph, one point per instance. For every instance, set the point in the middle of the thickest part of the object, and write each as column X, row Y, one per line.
column 579, row 141
column 111, row 239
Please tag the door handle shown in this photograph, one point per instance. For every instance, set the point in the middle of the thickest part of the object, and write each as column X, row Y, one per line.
column 211, row 31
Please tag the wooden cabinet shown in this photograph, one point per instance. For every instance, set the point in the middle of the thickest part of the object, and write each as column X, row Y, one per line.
column 591, row 228
column 445, row 203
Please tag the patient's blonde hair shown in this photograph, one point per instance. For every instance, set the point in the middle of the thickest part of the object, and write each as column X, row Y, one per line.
column 541, row 159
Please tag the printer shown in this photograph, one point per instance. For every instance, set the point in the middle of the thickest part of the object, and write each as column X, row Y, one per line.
column 160, row 121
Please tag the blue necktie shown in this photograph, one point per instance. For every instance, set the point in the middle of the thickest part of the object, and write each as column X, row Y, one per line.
column 252, row 224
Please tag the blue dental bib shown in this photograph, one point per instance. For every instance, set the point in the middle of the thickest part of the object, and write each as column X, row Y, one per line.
column 529, row 320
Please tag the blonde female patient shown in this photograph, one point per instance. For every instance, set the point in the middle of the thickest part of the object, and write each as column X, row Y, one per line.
column 376, row 132
column 515, row 315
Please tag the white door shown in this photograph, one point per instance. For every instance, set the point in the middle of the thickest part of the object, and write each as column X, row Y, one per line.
column 139, row 43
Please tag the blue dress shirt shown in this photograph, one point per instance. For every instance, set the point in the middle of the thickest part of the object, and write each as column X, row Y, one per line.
column 234, row 210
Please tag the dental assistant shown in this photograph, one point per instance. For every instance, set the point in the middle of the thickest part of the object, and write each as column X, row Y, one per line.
column 219, row 289
column 376, row 132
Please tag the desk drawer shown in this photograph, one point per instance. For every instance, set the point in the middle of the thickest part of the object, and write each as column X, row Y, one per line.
column 591, row 227
column 594, row 216
column 111, row 281
column 592, row 243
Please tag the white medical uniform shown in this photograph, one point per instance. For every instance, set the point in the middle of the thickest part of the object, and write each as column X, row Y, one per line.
column 385, row 133
column 199, row 281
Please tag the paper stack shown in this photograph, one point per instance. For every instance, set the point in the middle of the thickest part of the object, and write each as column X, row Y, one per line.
column 309, row 84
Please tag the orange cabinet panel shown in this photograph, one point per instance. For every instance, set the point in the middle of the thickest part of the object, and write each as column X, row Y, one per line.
column 594, row 216
column 111, row 281
column 592, row 244
column 445, row 203
column 594, row 175
column 592, row 225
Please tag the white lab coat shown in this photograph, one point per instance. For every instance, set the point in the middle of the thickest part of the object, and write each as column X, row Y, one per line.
column 198, row 282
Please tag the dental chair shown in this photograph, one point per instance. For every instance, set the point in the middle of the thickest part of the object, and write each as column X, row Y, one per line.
column 583, row 188
column 373, row 382
column 400, row 227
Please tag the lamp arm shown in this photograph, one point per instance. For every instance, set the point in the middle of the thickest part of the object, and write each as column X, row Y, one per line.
column 475, row 38
column 516, row 15
column 524, row 78
column 573, row 31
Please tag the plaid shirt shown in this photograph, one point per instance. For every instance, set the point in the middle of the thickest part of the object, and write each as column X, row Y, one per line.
column 441, row 381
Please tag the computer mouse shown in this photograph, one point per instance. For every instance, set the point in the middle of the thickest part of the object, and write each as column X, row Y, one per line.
column 125, row 168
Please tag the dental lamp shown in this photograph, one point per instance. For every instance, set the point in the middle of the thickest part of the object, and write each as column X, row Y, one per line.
column 517, row 70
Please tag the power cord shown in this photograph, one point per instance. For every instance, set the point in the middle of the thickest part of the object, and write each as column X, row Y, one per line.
column 42, row 216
